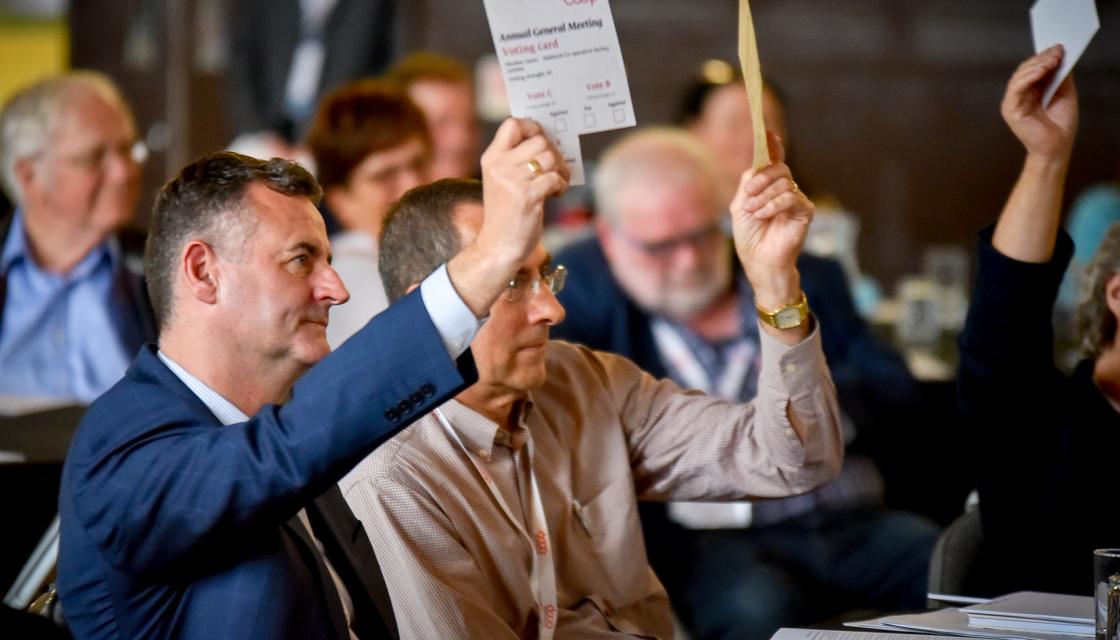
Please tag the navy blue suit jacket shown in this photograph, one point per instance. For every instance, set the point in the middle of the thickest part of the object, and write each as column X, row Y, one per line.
column 174, row 526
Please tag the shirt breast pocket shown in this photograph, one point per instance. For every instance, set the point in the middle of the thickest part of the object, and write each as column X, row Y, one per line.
column 610, row 521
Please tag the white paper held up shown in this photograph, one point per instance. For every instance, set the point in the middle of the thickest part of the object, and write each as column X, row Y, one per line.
column 563, row 67
column 1070, row 23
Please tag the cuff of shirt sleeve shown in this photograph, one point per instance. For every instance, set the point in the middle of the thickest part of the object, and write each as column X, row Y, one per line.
column 452, row 318
column 794, row 373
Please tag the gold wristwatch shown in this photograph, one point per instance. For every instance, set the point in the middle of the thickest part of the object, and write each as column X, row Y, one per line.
column 787, row 317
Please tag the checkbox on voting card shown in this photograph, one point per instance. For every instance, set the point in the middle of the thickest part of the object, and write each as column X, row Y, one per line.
column 619, row 116
column 560, row 124
column 589, row 120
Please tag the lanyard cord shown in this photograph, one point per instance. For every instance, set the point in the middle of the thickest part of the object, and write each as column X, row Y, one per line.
column 543, row 576
column 691, row 372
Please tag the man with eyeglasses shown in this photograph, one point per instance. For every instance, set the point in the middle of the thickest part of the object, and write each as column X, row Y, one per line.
column 73, row 309
column 659, row 285
column 511, row 511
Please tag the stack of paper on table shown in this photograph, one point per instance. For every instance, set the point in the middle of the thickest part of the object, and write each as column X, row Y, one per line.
column 1034, row 611
column 829, row 634
column 1021, row 616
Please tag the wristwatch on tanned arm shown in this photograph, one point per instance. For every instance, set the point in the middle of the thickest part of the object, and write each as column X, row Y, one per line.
column 787, row 317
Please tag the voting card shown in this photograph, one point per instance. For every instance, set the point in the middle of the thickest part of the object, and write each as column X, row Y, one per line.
column 563, row 67
column 1070, row 23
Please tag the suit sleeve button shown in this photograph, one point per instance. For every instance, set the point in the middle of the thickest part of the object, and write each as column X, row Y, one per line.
column 428, row 390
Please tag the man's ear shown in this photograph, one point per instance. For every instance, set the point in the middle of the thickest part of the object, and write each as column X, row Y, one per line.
column 200, row 271
column 28, row 176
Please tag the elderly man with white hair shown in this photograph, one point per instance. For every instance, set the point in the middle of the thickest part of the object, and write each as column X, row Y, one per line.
column 72, row 311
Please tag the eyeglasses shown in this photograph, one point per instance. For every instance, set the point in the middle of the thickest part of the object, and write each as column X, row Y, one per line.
column 552, row 277
column 701, row 239
column 95, row 159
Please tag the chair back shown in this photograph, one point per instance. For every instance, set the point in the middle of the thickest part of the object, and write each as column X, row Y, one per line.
column 34, row 446
column 954, row 565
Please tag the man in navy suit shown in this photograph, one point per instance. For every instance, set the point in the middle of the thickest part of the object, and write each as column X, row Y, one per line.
column 198, row 498
column 659, row 285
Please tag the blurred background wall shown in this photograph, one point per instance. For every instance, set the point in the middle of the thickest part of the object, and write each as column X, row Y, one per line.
column 893, row 104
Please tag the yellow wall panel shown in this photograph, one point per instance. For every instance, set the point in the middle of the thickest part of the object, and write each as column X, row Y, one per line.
column 30, row 50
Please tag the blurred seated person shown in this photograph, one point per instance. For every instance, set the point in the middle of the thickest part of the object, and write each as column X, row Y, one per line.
column 1047, row 442
column 511, row 511
column 716, row 110
column 289, row 53
column 660, row 285
column 370, row 145
column 443, row 89
column 73, row 307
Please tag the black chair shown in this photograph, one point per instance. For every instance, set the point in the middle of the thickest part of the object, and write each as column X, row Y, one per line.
column 39, row 441
column 954, row 564
column 21, row 624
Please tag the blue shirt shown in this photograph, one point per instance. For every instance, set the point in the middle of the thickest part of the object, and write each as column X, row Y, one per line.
column 58, row 335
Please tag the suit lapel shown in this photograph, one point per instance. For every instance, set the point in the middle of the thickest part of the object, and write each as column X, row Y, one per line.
column 352, row 557
column 314, row 562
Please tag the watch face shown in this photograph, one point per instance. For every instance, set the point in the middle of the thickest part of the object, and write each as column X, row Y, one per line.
column 788, row 318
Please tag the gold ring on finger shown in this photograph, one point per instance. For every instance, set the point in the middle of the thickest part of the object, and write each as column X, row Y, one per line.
column 535, row 167
column 794, row 187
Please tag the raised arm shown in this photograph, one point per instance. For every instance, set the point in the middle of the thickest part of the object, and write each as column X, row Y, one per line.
column 1028, row 226
column 770, row 218
column 1008, row 330
column 192, row 486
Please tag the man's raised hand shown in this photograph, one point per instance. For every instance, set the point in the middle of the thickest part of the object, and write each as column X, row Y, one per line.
column 770, row 219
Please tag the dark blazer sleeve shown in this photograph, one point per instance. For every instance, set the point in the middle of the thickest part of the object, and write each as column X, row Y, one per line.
column 154, row 482
column 1009, row 330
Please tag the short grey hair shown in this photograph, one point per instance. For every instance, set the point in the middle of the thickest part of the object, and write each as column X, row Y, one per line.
column 653, row 154
column 419, row 232
column 1096, row 324
column 30, row 118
